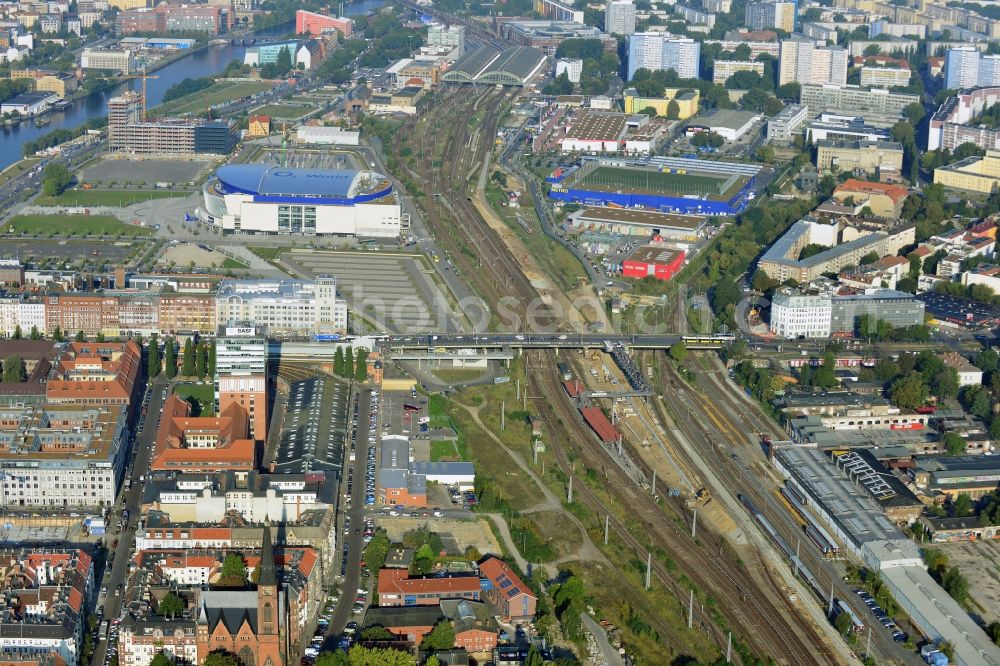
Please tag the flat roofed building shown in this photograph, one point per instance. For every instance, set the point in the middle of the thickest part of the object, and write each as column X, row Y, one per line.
column 283, row 307
column 62, row 455
column 973, row 174
column 119, row 61
column 240, row 374
column 855, row 99
column 862, row 157
column 723, row 69
column 637, row 222
column 729, row 124
column 686, row 101
column 784, row 126
column 594, row 131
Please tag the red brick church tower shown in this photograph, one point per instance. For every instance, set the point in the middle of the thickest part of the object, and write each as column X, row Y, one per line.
column 268, row 637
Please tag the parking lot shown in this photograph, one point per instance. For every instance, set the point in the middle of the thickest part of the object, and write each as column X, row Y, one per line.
column 313, row 431
column 393, row 290
column 53, row 251
column 107, row 173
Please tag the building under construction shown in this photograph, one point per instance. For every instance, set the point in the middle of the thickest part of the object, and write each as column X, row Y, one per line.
column 131, row 133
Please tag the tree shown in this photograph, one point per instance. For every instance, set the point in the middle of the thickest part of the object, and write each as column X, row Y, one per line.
column 843, row 623
column 914, row 112
column 909, row 391
column 221, row 657
column 534, row 658
column 211, row 358
column 963, row 505
column 56, row 179
column 234, row 571
column 869, row 258
column 947, row 649
column 17, row 333
column 169, row 360
column 160, row 659
column 377, row 633
column 765, row 154
column 673, row 110
column 432, row 661
column 441, row 637
column 35, row 334
column 792, row 90
column 79, row 337
column 678, row 352
column 284, row 61
column 187, row 362
column 13, row 370
column 955, row 584
column 361, row 365
column 200, row 360
column 338, row 362
column 349, row 362
column 153, row 357
column 377, row 550
column 954, row 444
column 170, row 606
column 338, row 658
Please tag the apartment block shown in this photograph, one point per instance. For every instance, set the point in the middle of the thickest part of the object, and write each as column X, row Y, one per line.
column 855, row 99
column 619, row 17
column 764, row 15
column 802, row 61
column 885, row 77
column 117, row 61
column 723, row 69
column 660, row 51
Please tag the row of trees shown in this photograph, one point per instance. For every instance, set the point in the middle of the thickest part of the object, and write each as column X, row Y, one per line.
column 346, row 365
column 197, row 360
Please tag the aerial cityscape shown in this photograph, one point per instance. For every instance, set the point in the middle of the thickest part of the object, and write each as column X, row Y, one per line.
column 462, row 333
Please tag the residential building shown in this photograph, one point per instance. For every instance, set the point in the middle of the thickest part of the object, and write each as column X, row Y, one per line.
column 883, row 27
column 203, row 444
column 572, row 68
column 968, row 374
column 693, row 15
column 259, row 126
column 44, row 80
column 848, row 242
column 802, row 61
column 686, row 102
column 186, row 314
column 861, row 157
column 140, row 640
column 951, row 125
column 240, row 374
column 883, row 199
column 967, row 67
column 757, row 48
column 619, row 17
column 449, row 36
column 785, row 125
column 397, row 588
column 97, row 373
column 764, row 15
column 507, row 591
column 719, row 6
column 44, row 598
column 660, row 51
column 973, row 174
column 117, row 61
column 62, row 455
column 800, row 314
column 886, row 77
column 286, row 308
column 855, row 99
column 559, row 10
column 723, row 69
column 313, row 23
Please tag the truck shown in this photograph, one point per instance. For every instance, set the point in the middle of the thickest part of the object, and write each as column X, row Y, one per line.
column 103, row 631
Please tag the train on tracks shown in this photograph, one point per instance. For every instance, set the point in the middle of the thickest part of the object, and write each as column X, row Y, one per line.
column 816, row 532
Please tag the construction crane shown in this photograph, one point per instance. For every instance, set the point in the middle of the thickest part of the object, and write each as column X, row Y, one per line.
column 145, row 77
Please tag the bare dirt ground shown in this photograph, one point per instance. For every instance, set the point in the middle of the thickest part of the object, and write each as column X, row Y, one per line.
column 183, row 254
column 979, row 561
column 456, row 534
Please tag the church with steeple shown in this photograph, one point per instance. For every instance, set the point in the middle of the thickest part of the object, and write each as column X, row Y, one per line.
column 248, row 623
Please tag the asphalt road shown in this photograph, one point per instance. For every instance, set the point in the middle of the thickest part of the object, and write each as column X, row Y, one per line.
column 142, row 450
column 350, row 583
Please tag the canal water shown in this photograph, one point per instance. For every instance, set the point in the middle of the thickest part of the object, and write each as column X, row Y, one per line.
column 206, row 62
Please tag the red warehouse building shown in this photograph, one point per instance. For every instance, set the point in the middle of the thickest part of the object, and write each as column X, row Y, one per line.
column 649, row 261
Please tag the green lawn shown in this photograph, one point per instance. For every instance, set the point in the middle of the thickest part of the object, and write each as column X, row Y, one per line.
column 442, row 449
column 456, row 375
column 69, row 225
column 232, row 263
column 283, row 111
column 267, row 253
column 222, row 91
column 203, row 396
column 437, row 410
column 106, row 197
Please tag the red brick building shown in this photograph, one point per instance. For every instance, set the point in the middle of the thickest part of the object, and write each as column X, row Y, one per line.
column 396, row 588
column 312, row 23
column 506, row 591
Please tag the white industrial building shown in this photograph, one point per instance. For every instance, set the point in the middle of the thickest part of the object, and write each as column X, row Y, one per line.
column 326, row 136
column 285, row 308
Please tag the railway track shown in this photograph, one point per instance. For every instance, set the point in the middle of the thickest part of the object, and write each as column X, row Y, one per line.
column 708, row 564
column 717, row 414
column 471, row 245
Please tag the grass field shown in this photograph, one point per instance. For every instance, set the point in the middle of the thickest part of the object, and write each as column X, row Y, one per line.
column 223, row 91
column 442, row 449
column 283, row 111
column 232, row 263
column 203, row 396
column 268, row 253
column 68, row 225
column 105, row 197
column 638, row 180
column 454, row 375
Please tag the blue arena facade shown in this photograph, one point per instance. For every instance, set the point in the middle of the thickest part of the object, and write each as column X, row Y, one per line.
column 685, row 205
column 268, row 199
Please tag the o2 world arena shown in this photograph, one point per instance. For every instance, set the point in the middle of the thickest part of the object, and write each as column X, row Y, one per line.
column 268, row 199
